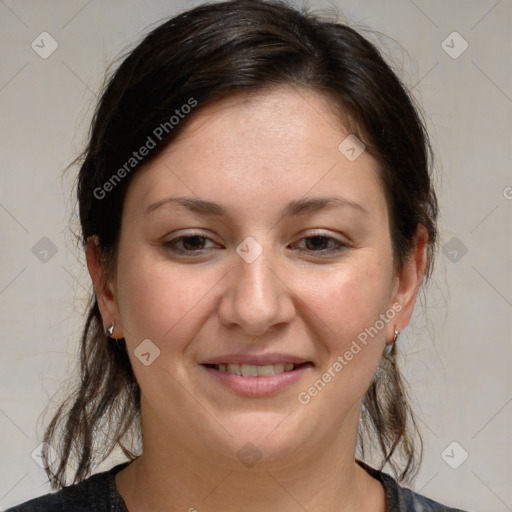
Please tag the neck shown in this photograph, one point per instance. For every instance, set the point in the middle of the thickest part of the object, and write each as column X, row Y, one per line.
column 175, row 478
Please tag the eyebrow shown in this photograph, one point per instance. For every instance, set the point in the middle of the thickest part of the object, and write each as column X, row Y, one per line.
column 292, row 209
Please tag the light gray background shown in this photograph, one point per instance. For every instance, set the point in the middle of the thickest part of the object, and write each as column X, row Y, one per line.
column 458, row 350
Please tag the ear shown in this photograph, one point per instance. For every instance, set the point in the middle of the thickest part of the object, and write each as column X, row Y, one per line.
column 103, row 287
column 409, row 281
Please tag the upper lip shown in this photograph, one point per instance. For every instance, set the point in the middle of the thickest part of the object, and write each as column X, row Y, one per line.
column 256, row 360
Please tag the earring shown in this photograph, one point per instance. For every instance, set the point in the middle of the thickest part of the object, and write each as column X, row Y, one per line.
column 110, row 330
column 395, row 337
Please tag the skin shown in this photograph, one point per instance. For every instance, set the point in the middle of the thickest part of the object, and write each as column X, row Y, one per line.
column 253, row 155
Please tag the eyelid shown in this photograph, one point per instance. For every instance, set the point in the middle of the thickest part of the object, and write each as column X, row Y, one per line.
column 340, row 245
column 169, row 241
column 318, row 232
column 324, row 233
column 185, row 233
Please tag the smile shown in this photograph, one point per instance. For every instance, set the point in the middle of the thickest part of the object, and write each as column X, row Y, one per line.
column 251, row 380
column 250, row 370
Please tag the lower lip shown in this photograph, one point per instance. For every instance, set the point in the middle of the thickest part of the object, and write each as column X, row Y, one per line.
column 257, row 386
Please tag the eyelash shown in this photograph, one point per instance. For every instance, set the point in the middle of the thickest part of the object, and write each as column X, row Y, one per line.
column 170, row 244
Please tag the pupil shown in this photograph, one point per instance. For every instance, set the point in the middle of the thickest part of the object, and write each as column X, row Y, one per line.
column 322, row 241
column 192, row 246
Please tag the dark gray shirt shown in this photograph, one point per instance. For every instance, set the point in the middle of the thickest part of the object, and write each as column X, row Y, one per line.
column 98, row 493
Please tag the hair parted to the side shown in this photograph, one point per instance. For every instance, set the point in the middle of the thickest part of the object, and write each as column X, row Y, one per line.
column 206, row 53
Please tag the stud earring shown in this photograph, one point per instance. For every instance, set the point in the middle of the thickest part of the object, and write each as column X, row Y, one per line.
column 110, row 330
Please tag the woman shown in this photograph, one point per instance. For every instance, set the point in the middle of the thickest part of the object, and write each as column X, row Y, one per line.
column 258, row 217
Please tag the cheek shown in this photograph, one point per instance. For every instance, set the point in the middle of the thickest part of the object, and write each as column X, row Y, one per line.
column 349, row 306
column 157, row 300
column 352, row 299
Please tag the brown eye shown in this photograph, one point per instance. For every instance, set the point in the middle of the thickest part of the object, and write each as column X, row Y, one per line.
column 188, row 244
column 317, row 243
column 322, row 244
column 193, row 243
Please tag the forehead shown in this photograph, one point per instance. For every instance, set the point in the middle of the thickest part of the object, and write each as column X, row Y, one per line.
column 278, row 145
column 278, row 117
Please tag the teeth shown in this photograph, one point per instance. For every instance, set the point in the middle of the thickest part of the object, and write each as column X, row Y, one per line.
column 250, row 370
column 235, row 369
column 279, row 368
column 265, row 371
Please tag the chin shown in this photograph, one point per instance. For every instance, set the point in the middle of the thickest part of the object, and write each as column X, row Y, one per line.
column 266, row 436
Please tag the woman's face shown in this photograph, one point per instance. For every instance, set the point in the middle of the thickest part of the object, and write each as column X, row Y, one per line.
column 255, row 245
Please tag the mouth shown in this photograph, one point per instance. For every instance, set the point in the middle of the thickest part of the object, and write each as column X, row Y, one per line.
column 256, row 380
column 250, row 370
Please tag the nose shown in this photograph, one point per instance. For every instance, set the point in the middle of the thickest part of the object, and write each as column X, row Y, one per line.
column 256, row 297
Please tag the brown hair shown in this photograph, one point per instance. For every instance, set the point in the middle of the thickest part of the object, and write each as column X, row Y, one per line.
column 206, row 53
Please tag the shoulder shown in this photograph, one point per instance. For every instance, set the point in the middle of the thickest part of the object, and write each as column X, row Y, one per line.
column 94, row 494
column 401, row 499
column 411, row 501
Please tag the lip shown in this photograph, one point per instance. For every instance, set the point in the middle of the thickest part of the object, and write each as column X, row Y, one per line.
column 257, row 386
column 256, row 359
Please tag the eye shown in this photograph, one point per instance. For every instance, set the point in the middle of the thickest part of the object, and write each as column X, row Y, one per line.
column 319, row 243
column 196, row 243
column 188, row 244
